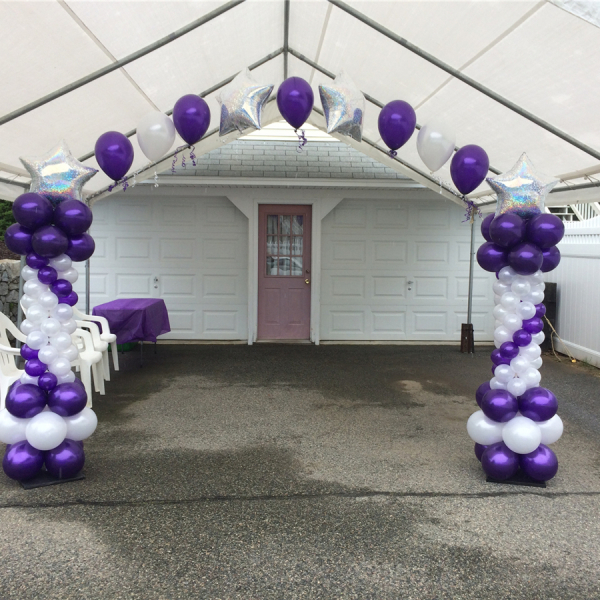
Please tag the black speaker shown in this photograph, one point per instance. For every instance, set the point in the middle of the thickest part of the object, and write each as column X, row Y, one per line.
column 551, row 308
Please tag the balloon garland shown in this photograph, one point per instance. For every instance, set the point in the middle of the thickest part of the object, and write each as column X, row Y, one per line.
column 518, row 419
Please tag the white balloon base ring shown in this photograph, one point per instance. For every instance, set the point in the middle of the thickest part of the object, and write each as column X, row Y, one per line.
column 43, row 479
column 519, row 478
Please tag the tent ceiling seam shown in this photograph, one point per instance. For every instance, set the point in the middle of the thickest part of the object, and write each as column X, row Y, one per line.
column 321, row 41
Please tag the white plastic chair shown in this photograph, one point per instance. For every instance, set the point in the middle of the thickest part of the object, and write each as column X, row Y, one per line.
column 99, row 345
column 105, row 334
column 9, row 373
column 89, row 363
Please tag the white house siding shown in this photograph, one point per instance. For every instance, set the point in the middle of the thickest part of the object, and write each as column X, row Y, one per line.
column 373, row 248
column 189, row 251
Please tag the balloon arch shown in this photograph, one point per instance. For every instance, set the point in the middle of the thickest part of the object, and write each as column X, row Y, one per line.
column 47, row 412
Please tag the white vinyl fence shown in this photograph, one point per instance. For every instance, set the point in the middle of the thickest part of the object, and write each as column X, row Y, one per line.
column 578, row 291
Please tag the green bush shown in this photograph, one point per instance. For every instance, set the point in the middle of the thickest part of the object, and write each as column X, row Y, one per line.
column 6, row 216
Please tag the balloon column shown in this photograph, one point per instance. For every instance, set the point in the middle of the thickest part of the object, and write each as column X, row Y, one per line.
column 46, row 415
column 518, row 419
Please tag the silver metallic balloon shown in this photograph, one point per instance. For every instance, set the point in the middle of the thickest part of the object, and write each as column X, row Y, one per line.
column 58, row 175
column 242, row 102
column 520, row 191
column 344, row 107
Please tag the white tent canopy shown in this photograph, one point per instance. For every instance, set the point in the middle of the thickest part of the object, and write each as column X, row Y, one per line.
column 534, row 54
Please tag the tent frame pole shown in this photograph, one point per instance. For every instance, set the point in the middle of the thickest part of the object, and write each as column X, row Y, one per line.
column 286, row 36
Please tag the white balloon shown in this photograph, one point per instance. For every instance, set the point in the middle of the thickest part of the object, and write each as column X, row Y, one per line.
column 46, row 430
column 538, row 338
column 28, row 327
column 48, row 354
column 496, row 384
column 435, row 144
column 12, row 429
column 503, row 373
column 48, row 300
column 483, row 430
column 516, row 387
column 69, row 326
column 67, row 378
column 497, row 324
column 535, row 297
column 507, row 275
column 530, row 352
column 36, row 339
column 28, row 301
column 537, row 363
column 519, row 365
column 61, row 366
column 502, row 334
column 538, row 287
column 156, row 134
column 71, row 353
column 61, row 341
column 62, row 312
column 497, row 299
column 25, row 378
column 510, row 301
column 28, row 273
column 499, row 312
column 36, row 313
column 34, row 288
column 50, row 326
column 500, row 288
column 520, row 286
column 81, row 425
column 552, row 429
column 70, row 275
column 526, row 310
column 522, row 435
column 537, row 277
column 61, row 263
column 512, row 322
column 531, row 377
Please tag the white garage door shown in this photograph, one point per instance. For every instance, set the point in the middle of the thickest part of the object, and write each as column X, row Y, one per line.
column 191, row 252
column 399, row 270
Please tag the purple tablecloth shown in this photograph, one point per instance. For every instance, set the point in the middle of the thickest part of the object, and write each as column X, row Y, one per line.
column 135, row 319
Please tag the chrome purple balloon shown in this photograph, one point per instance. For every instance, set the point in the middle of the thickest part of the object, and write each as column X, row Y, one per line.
column 482, row 390
column 521, row 338
column 509, row 350
column 47, row 381
column 397, row 121
column 541, row 464
column 81, row 247
column 499, row 462
column 479, row 450
column 469, row 167
column 491, row 257
column 540, row 310
column 61, row 287
column 73, row 217
column 485, row 227
column 550, row 259
column 545, row 230
column 498, row 358
column 32, row 210
column 525, row 258
column 66, row 460
column 22, row 461
column 67, row 399
column 114, row 153
column 533, row 325
column 28, row 353
column 25, row 400
column 49, row 241
column 499, row 405
column 538, row 404
column 507, row 230
column 191, row 116
column 47, row 275
column 35, row 367
column 71, row 299
column 35, row 261
column 295, row 100
column 18, row 239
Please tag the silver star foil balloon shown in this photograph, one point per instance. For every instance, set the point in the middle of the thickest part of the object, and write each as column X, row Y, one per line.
column 520, row 191
column 58, row 175
column 344, row 107
column 242, row 102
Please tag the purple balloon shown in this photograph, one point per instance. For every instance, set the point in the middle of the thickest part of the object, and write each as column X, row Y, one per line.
column 479, row 450
column 551, row 258
column 47, row 381
column 49, row 241
column 525, row 258
column 18, row 239
column 35, row 261
column 521, row 338
column 533, row 325
column 469, row 167
column 507, row 230
column 67, row 399
column 25, row 400
column 81, row 247
column 545, row 230
column 540, row 310
column 509, row 350
column 61, row 287
column 541, row 464
column 32, row 210
column 499, row 405
column 35, row 367
column 22, row 461
column 71, row 299
column 397, row 121
column 191, row 116
column 66, row 460
column 73, row 217
column 498, row 358
column 485, row 227
column 47, row 275
column 28, row 353
column 491, row 257
column 482, row 390
column 114, row 153
column 295, row 100
column 538, row 404
column 499, row 462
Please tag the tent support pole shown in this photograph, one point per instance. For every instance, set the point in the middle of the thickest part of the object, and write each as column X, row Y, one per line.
column 87, row 287
column 464, row 78
column 286, row 36
column 469, row 330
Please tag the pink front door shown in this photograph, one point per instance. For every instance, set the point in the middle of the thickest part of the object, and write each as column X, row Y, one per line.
column 284, row 272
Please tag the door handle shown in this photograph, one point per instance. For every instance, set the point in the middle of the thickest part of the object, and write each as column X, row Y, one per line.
column 307, row 281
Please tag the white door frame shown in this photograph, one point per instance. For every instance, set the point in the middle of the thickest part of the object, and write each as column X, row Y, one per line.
column 247, row 202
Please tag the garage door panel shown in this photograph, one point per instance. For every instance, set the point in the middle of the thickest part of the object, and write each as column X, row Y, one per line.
column 389, row 253
column 177, row 249
column 391, row 217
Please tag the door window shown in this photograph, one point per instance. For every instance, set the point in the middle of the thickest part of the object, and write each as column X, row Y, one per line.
column 285, row 245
